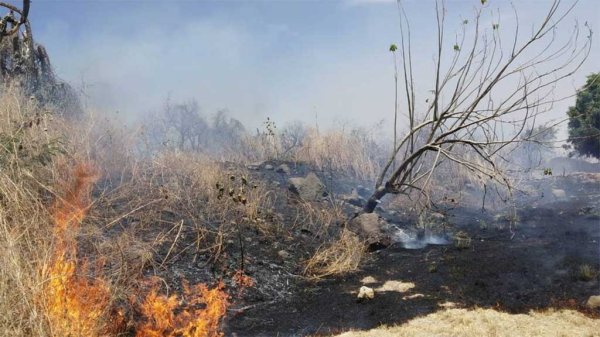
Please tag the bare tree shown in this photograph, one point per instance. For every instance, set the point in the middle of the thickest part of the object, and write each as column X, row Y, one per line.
column 485, row 92
column 186, row 123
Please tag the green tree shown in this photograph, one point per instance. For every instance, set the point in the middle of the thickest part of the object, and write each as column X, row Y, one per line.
column 584, row 119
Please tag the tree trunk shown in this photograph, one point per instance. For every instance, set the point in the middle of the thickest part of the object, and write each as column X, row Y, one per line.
column 374, row 199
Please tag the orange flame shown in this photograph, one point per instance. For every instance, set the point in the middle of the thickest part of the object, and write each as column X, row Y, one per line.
column 171, row 316
column 75, row 303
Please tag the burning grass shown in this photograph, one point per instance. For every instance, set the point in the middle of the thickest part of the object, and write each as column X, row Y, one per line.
column 80, row 305
column 182, row 316
column 76, row 305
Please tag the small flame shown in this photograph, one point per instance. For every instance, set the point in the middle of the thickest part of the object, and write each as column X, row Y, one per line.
column 196, row 314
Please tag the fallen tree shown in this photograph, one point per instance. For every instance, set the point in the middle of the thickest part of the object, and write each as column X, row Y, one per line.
column 485, row 95
column 25, row 64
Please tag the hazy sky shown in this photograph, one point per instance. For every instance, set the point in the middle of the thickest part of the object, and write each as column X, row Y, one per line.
column 290, row 60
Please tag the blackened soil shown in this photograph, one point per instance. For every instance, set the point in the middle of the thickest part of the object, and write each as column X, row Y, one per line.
column 533, row 265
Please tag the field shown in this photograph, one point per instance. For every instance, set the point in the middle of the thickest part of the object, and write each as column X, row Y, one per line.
column 101, row 238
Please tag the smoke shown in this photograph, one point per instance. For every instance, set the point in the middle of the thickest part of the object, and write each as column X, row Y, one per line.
column 318, row 62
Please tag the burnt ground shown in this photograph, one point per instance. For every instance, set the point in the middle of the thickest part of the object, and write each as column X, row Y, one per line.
column 534, row 265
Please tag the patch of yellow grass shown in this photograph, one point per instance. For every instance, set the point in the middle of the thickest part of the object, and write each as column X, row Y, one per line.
column 341, row 256
column 489, row 322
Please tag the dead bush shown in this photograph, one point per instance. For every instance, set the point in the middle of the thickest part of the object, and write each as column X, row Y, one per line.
column 341, row 256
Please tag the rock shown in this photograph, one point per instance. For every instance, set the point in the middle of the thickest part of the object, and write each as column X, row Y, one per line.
column 593, row 302
column 309, row 188
column 283, row 254
column 366, row 293
column 283, row 168
column 369, row 224
column 559, row 194
column 268, row 167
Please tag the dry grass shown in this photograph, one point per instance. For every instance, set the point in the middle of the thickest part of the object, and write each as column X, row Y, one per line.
column 152, row 200
column 492, row 323
column 343, row 255
column 26, row 145
column 354, row 154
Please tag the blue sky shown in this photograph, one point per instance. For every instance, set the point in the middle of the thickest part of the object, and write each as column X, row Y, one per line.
column 290, row 60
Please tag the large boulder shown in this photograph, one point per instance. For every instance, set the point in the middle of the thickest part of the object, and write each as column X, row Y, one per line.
column 309, row 188
column 370, row 225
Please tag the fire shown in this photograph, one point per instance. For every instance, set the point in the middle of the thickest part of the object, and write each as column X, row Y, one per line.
column 75, row 304
column 183, row 317
column 78, row 305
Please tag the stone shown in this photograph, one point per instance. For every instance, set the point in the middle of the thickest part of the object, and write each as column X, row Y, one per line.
column 283, row 168
column 366, row 293
column 309, row 188
column 283, row 254
column 593, row 302
column 369, row 224
column 268, row 167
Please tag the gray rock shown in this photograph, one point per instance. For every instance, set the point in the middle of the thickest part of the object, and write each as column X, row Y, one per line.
column 268, row 167
column 309, row 188
column 283, row 254
column 369, row 224
column 283, row 168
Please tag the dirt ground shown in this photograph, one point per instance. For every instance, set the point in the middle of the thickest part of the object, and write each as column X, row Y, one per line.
column 534, row 265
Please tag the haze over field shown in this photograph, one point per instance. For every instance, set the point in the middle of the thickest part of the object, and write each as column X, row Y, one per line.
column 289, row 60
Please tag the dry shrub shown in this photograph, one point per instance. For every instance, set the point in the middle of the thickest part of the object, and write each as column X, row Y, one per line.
column 489, row 322
column 343, row 255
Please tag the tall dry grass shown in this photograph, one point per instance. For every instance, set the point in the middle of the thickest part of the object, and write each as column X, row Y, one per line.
column 28, row 144
column 140, row 203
